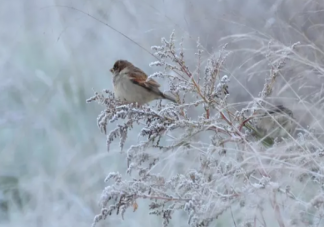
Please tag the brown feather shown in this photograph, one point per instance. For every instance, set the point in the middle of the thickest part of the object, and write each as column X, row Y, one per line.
column 139, row 77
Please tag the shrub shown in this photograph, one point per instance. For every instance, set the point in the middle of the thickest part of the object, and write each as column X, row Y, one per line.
column 220, row 161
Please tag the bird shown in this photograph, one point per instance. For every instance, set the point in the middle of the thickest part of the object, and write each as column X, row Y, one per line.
column 276, row 122
column 131, row 84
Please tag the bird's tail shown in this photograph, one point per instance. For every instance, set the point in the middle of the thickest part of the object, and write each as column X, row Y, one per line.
column 168, row 97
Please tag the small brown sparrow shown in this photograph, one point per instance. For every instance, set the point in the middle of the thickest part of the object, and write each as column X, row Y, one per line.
column 131, row 84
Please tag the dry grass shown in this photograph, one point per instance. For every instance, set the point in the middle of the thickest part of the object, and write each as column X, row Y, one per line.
column 53, row 157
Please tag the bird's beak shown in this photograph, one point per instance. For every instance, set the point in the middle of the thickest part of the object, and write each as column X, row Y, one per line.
column 112, row 70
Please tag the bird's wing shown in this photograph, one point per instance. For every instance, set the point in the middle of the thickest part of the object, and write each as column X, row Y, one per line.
column 139, row 77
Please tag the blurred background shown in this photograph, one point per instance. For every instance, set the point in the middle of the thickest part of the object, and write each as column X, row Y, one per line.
column 54, row 54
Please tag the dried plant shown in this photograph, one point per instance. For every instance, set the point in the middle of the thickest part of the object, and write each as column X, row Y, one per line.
column 226, row 162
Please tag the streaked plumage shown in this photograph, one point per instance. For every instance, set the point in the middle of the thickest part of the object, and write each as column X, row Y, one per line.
column 276, row 122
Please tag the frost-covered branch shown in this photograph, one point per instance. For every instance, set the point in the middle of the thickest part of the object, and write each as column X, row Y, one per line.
column 229, row 160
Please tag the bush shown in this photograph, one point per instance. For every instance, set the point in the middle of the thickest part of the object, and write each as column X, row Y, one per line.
column 221, row 162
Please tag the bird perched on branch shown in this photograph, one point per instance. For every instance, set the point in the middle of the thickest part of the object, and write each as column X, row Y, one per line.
column 131, row 84
column 276, row 122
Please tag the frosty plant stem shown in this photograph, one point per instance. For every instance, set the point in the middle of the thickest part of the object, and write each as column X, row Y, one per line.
column 221, row 168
